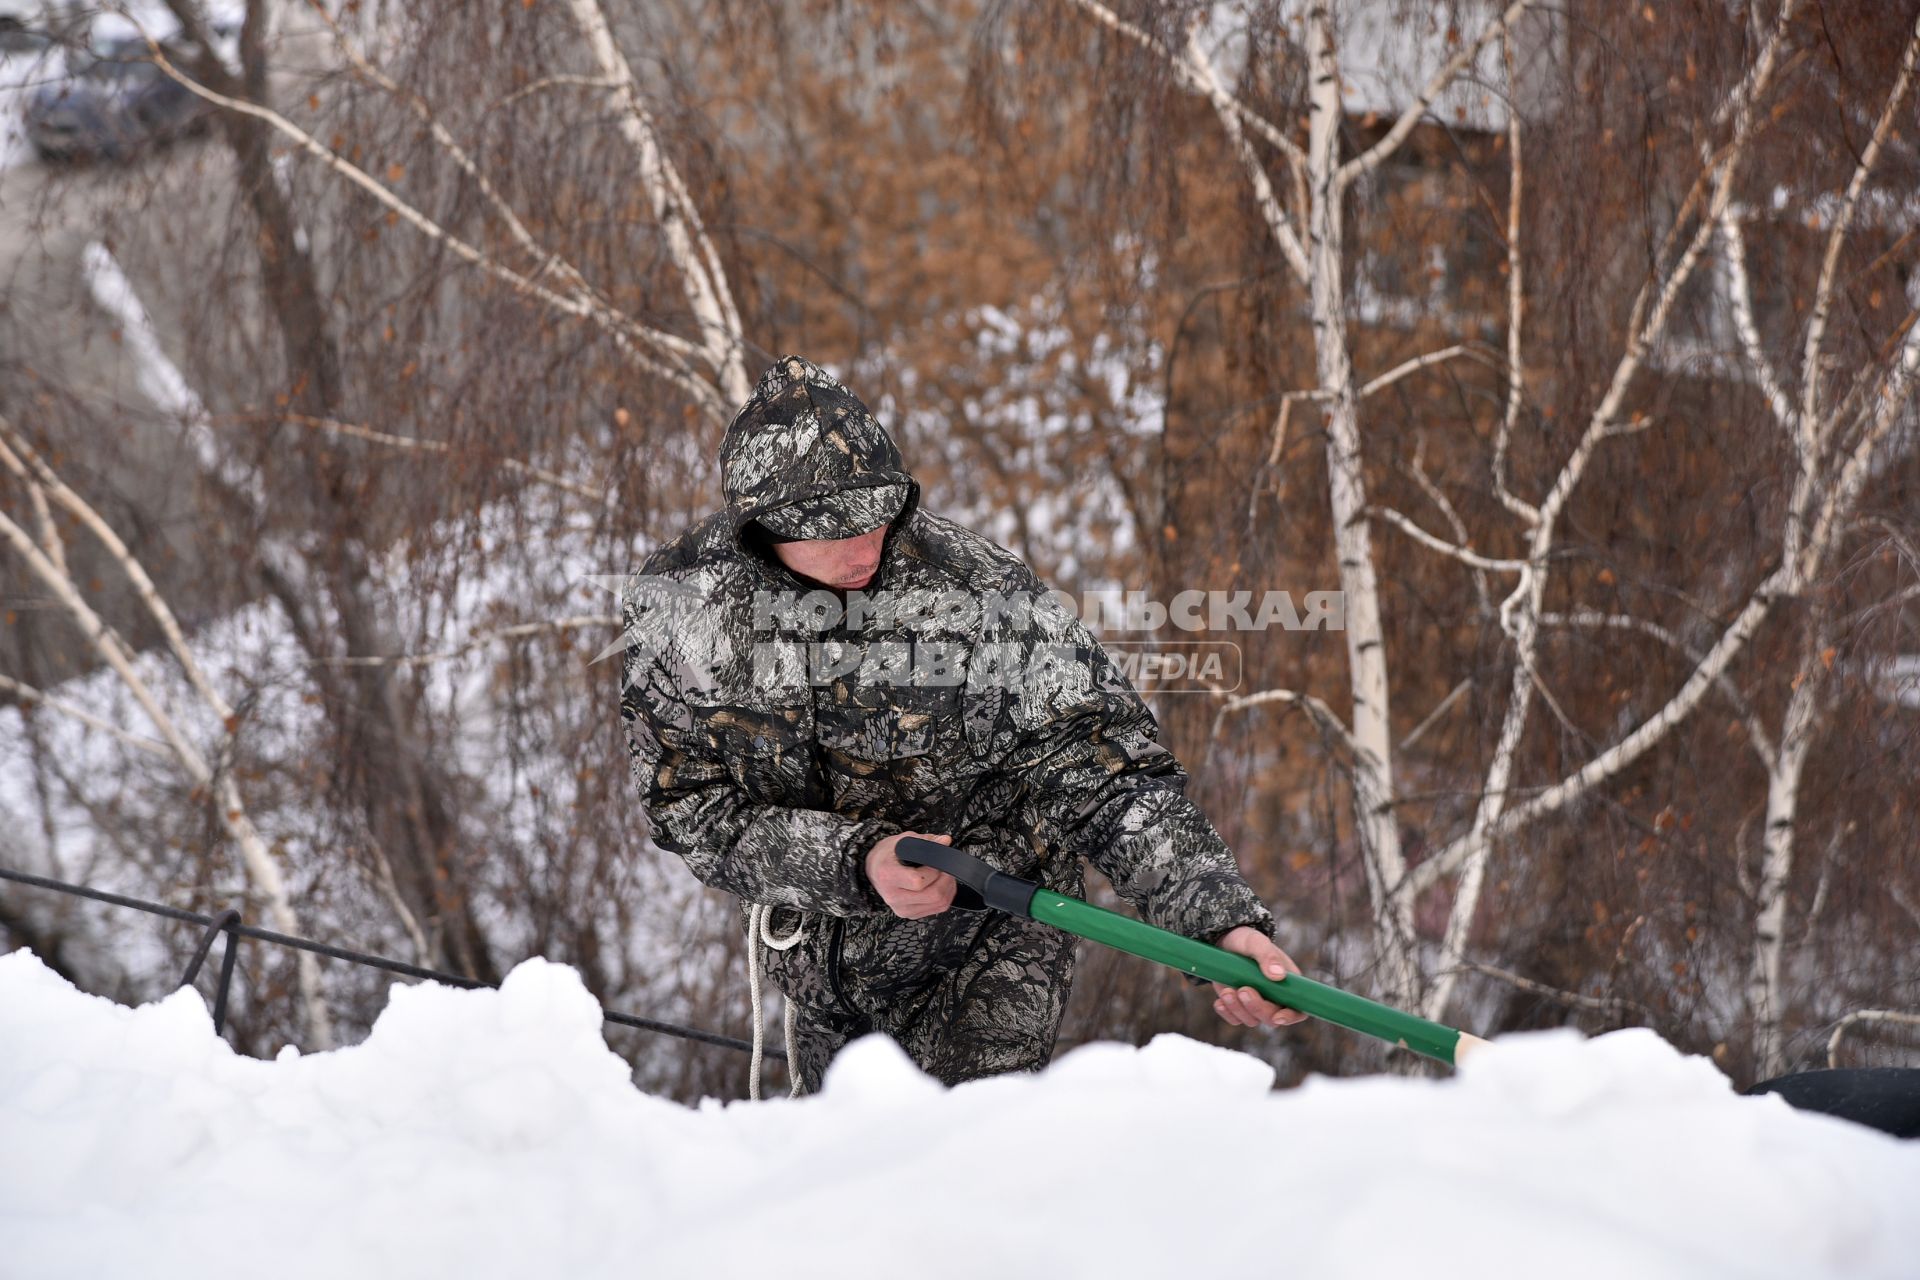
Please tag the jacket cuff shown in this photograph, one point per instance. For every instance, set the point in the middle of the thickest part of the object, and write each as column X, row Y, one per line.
column 1231, row 912
column 1210, row 905
column 860, row 842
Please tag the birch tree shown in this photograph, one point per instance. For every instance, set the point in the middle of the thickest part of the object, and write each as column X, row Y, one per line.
column 411, row 800
column 1839, row 423
column 308, row 539
column 45, row 557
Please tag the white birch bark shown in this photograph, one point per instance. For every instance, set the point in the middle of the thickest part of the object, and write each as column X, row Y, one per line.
column 1770, row 925
column 1812, row 436
column 1836, row 448
column 1315, row 252
column 1375, row 822
column 703, row 277
column 1520, row 613
column 262, row 870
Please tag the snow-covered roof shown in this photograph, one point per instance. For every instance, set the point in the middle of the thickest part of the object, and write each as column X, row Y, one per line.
column 492, row 1133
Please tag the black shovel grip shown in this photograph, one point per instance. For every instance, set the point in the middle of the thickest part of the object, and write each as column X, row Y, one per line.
column 980, row 885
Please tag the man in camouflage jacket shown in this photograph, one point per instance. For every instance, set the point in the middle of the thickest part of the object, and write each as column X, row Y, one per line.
column 821, row 667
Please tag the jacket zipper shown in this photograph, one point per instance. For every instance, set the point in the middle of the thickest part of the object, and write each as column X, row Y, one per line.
column 834, row 943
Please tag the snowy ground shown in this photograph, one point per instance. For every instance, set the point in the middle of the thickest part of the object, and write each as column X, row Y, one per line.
column 481, row 1133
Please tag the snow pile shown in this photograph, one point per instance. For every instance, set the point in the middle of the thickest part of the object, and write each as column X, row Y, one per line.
column 481, row 1133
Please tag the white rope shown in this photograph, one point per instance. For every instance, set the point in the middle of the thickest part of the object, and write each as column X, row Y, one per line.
column 759, row 920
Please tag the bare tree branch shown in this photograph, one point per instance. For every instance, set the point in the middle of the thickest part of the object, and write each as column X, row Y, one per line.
column 1516, row 301
column 1623, row 753
column 519, row 631
column 1891, row 1017
column 1370, row 159
column 1836, row 240
column 543, row 260
column 1317, row 711
column 16, row 452
column 28, row 694
column 702, row 274
column 1278, row 224
column 1433, row 717
column 1836, row 506
column 1740, row 293
column 415, row 444
column 1465, row 555
column 1438, row 498
column 1190, row 76
column 50, row 540
column 231, row 813
column 1520, row 611
column 1417, row 363
column 551, row 82
column 1613, row 1005
column 1756, row 731
column 671, row 355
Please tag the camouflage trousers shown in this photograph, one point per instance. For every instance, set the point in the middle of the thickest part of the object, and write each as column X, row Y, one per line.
column 996, row 1010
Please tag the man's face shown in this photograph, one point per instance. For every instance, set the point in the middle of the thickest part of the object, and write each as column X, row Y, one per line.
column 846, row 564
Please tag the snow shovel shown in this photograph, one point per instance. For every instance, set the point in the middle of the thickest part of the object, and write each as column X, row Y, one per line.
column 982, row 887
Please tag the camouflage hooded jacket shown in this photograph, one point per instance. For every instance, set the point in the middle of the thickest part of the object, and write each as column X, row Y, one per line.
column 777, row 732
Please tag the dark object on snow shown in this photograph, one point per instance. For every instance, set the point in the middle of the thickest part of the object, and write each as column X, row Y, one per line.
column 119, row 102
column 1883, row 1098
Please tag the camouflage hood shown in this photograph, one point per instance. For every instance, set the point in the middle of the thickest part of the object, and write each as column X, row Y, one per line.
column 806, row 459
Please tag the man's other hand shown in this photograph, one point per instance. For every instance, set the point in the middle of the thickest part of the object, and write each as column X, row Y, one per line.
column 912, row 893
column 1243, row 1006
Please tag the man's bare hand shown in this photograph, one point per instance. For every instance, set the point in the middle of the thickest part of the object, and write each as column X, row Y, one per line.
column 1243, row 1006
column 912, row 893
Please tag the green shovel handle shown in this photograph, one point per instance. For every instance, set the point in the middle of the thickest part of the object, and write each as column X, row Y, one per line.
column 1203, row 960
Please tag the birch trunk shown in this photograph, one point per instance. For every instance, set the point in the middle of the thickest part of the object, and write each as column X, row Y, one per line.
column 1375, row 822
column 262, row 871
column 1769, row 931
